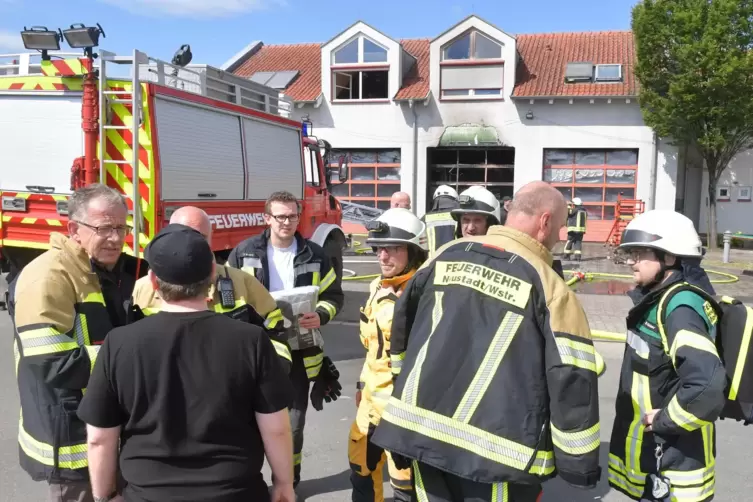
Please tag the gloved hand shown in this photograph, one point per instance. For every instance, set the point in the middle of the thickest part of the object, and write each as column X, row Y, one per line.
column 326, row 387
column 400, row 461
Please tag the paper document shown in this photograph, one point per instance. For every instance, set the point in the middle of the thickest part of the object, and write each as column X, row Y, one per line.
column 294, row 303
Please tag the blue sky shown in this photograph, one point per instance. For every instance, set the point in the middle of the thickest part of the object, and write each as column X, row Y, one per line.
column 159, row 27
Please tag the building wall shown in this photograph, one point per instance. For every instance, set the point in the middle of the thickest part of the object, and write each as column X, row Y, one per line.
column 733, row 214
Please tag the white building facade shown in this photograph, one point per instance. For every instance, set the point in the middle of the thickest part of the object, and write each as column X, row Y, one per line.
column 477, row 106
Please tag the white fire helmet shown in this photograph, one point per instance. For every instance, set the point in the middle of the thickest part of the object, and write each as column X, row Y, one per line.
column 664, row 230
column 397, row 226
column 577, row 201
column 478, row 200
column 445, row 190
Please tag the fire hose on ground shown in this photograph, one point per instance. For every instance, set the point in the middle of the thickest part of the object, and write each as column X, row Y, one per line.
column 576, row 276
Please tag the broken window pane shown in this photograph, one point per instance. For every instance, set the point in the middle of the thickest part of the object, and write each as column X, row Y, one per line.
column 363, row 158
column 362, row 173
column 486, row 48
column 558, row 175
column 388, row 174
column 372, row 53
column 340, row 190
column 459, row 49
column 347, row 54
column 589, row 176
column 362, row 190
column 620, row 176
column 612, row 193
column 387, row 189
column 375, row 85
column 389, row 157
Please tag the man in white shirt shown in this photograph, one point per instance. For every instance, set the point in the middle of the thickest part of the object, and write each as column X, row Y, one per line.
column 281, row 259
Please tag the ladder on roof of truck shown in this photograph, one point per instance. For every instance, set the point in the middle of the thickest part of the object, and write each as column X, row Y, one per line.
column 197, row 79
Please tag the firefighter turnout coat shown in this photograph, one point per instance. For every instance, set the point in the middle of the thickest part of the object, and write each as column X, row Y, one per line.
column 440, row 229
column 672, row 366
column 61, row 320
column 576, row 220
column 312, row 267
column 496, row 368
column 375, row 384
column 251, row 300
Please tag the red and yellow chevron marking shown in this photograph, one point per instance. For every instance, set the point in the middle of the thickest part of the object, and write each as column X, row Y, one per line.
column 37, row 83
column 70, row 67
column 118, row 147
column 32, row 229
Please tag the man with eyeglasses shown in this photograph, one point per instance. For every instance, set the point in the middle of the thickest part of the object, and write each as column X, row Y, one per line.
column 281, row 259
column 63, row 304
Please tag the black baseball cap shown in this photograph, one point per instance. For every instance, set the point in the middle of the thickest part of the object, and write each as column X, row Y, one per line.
column 179, row 255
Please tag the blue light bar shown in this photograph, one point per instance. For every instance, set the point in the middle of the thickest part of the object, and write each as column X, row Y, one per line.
column 307, row 128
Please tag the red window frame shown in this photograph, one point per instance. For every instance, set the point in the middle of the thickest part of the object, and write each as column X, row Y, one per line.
column 603, row 210
column 353, row 168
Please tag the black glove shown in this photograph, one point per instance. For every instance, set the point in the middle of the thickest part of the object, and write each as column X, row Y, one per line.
column 326, row 387
column 400, row 461
column 133, row 311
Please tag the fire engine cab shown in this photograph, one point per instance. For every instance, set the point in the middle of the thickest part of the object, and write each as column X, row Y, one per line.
column 165, row 135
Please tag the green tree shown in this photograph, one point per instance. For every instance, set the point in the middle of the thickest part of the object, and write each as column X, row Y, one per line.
column 695, row 68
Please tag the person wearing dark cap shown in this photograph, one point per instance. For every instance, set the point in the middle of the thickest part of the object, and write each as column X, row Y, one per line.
column 193, row 398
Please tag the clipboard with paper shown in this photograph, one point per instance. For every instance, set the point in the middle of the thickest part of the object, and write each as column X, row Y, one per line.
column 293, row 303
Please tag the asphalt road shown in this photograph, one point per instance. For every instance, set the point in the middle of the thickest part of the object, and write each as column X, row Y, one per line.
column 325, row 464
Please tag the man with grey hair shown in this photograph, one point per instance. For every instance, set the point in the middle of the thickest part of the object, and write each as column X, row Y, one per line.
column 63, row 305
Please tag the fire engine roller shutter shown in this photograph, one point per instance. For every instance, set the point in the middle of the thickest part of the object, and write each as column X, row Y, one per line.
column 200, row 152
column 41, row 135
column 273, row 156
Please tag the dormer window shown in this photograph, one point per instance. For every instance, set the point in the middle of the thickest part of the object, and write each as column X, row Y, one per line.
column 360, row 71
column 470, row 46
column 472, row 68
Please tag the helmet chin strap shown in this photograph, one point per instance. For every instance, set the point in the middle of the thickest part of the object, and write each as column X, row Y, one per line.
column 663, row 268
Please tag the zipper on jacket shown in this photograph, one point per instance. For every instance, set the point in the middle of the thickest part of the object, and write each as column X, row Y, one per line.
column 538, row 447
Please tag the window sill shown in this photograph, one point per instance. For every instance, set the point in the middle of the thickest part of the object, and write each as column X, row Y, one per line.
column 472, row 62
column 359, row 101
column 471, row 98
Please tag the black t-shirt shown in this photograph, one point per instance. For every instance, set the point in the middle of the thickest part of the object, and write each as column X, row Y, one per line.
column 185, row 388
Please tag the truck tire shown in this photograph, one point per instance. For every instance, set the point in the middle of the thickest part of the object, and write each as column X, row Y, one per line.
column 333, row 246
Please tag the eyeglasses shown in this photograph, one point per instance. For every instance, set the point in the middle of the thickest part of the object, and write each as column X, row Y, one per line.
column 107, row 230
column 282, row 218
column 636, row 255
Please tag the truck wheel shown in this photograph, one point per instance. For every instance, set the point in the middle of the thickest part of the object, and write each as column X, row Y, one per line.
column 333, row 246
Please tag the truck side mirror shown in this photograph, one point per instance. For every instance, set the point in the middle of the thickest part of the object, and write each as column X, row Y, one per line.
column 342, row 167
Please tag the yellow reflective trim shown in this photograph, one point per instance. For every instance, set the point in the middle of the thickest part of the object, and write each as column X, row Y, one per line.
column 150, row 311
column 54, row 223
column 92, row 351
column 95, row 298
column 313, row 365
column 282, row 350
column 69, row 457
column 500, row 492
column 331, row 309
column 468, row 437
column 742, row 355
column 273, row 319
column 410, row 391
column 577, row 443
column 685, row 338
column 315, row 279
column 16, row 355
column 682, row 417
column 483, row 279
column 431, row 217
column 619, row 480
column 25, row 244
column 431, row 237
column 28, row 221
column 641, row 397
column 43, row 341
column 218, row 308
column 691, row 478
column 420, row 489
column 488, row 367
column 580, row 354
column 296, row 459
column 328, row 280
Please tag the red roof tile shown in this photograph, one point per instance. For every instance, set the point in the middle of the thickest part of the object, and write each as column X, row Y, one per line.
column 416, row 81
column 545, row 56
column 306, row 58
column 542, row 72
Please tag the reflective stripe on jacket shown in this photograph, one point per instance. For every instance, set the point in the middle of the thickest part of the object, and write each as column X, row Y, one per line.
column 679, row 373
column 473, row 395
column 312, row 267
column 61, row 320
column 576, row 219
column 376, row 334
column 440, row 229
column 251, row 300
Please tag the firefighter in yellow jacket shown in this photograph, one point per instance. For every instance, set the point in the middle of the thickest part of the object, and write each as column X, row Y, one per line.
column 63, row 304
column 242, row 297
column 399, row 239
column 496, row 387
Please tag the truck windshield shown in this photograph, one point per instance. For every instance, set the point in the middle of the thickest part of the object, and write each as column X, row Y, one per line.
column 311, row 165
